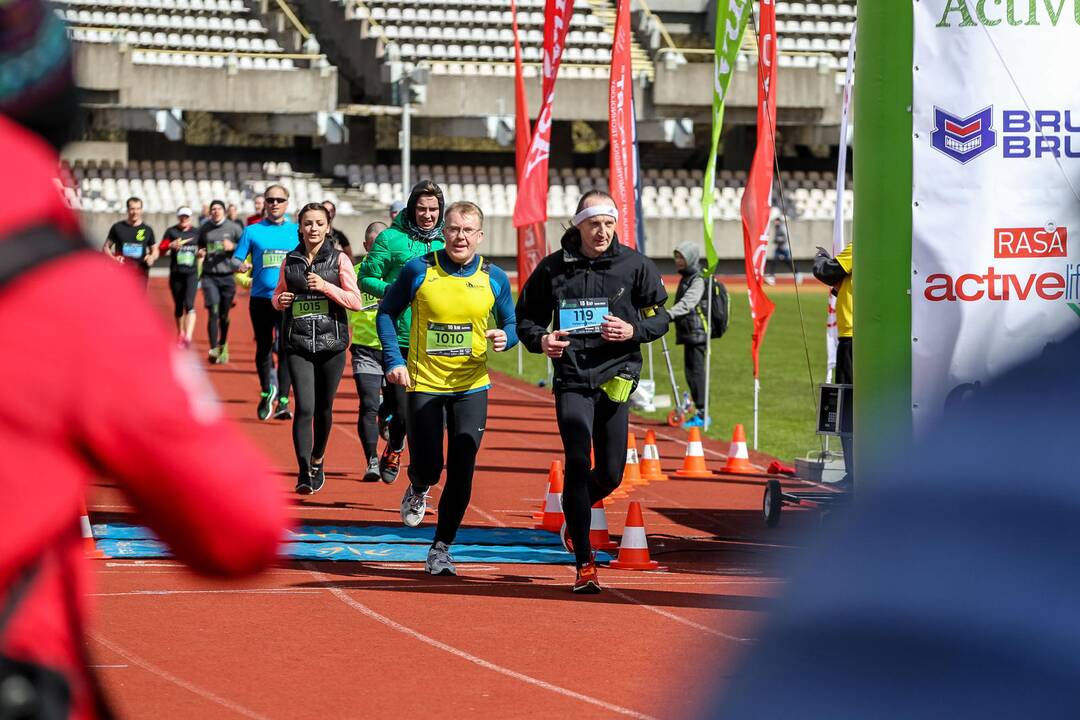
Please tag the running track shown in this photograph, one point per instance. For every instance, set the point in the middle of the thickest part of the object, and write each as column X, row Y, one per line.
column 371, row 640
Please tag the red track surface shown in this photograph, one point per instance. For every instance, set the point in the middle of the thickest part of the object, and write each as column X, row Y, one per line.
column 351, row 640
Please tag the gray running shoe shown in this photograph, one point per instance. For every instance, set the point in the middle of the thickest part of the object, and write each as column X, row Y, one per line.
column 413, row 506
column 439, row 561
column 372, row 473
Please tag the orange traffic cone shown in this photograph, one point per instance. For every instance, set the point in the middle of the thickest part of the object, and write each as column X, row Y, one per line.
column 598, row 532
column 89, row 547
column 694, row 461
column 553, row 515
column 634, row 550
column 650, row 459
column 555, row 474
column 632, row 471
column 738, row 461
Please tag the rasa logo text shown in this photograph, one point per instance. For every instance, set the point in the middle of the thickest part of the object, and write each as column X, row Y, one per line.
column 996, row 284
column 1031, row 242
column 1023, row 134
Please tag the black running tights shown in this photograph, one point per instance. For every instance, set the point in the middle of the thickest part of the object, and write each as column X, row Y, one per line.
column 395, row 404
column 218, row 293
column 315, row 380
column 264, row 320
column 465, row 417
column 589, row 419
column 367, row 422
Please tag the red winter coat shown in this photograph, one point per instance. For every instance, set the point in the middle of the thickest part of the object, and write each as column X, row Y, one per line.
column 92, row 383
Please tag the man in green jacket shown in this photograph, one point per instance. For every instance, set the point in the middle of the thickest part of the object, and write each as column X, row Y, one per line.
column 416, row 231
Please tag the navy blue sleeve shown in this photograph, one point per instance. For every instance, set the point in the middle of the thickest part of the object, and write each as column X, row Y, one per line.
column 504, row 305
column 398, row 297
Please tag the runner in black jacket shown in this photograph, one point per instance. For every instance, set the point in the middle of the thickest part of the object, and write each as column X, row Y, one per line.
column 602, row 301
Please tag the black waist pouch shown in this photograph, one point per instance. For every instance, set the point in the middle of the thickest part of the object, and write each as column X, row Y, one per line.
column 29, row 691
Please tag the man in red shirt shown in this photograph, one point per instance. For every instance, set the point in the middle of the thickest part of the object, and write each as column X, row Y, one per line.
column 260, row 210
column 57, row 431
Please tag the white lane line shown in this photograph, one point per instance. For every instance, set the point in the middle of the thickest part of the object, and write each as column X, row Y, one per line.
column 222, row 591
column 365, row 610
column 677, row 618
column 628, row 584
column 179, row 682
column 672, row 616
column 102, row 667
column 487, row 516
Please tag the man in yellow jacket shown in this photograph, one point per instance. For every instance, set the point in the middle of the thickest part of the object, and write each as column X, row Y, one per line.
column 837, row 273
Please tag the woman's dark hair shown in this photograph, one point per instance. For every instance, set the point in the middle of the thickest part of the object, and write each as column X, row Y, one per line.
column 311, row 207
column 419, row 190
column 592, row 194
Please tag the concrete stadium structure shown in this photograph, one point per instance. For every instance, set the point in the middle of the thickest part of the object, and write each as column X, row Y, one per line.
column 314, row 85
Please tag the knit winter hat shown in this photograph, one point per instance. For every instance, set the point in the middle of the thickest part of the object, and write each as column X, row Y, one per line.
column 36, row 83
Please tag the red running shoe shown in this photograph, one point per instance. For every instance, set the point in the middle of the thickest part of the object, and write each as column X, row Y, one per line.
column 587, row 582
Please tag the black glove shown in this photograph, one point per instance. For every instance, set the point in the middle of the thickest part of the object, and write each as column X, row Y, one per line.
column 822, row 252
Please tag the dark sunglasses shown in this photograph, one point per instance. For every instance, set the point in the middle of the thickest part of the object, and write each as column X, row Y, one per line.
column 274, row 201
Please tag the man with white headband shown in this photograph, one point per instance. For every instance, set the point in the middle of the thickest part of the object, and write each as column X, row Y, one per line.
column 601, row 300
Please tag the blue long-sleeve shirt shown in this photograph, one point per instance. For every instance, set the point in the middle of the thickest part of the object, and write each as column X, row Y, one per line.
column 268, row 245
column 400, row 295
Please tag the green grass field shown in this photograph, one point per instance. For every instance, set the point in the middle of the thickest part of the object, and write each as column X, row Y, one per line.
column 786, row 406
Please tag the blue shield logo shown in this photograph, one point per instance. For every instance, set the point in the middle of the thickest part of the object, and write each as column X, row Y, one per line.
column 963, row 138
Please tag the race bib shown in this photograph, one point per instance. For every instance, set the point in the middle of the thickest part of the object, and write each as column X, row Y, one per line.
column 132, row 250
column 273, row 258
column 185, row 257
column 368, row 301
column 217, row 246
column 582, row 316
column 310, row 306
column 449, row 339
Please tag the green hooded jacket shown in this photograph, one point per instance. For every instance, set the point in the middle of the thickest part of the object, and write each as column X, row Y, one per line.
column 392, row 249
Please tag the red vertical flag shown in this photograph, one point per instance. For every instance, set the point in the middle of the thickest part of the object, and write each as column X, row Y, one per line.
column 621, row 127
column 532, row 245
column 755, row 202
column 531, row 205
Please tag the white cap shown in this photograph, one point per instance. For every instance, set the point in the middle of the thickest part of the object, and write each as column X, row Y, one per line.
column 183, row 211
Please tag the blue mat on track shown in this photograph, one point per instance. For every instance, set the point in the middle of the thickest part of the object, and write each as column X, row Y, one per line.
column 366, row 534
column 372, row 543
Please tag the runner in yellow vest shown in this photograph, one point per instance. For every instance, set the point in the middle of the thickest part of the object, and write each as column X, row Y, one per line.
column 367, row 370
column 452, row 292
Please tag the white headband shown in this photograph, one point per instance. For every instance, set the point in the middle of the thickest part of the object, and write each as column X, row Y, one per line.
column 595, row 210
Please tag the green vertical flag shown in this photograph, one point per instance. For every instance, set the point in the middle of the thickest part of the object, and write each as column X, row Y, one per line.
column 731, row 18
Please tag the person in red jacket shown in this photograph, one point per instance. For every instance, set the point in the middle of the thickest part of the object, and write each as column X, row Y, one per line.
column 208, row 492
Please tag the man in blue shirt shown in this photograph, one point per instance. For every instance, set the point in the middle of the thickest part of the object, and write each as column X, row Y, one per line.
column 268, row 242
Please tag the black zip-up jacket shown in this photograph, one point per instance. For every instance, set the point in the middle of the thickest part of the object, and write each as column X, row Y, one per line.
column 316, row 332
column 634, row 291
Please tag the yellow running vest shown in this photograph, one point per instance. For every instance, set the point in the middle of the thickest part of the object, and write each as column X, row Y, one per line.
column 447, row 343
column 363, row 321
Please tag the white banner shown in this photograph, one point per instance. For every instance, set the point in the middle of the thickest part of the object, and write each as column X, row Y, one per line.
column 995, row 213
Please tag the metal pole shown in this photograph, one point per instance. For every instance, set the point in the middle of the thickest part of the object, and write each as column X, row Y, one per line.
column 651, row 379
column 757, row 391
column 521, row 370
column 406, row 140
column 708, row 348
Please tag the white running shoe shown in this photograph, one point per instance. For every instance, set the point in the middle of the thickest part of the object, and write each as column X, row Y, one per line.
column 439, row 561
column 372, row 474
column 413, row 507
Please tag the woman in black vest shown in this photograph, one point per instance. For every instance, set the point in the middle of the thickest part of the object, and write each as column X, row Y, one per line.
column 316, row 285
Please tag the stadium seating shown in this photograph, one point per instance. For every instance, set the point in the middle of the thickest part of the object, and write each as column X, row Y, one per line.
column 665, row 193
column 475, row 37
column 175, row 32
column 165, row 186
